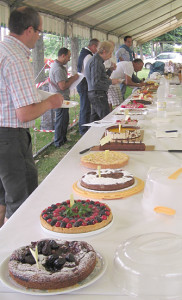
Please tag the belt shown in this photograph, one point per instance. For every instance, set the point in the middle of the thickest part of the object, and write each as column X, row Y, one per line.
column 97, row 92
column 2, row 129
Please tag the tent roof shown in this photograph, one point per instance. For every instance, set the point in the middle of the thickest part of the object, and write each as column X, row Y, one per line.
column 142, row 19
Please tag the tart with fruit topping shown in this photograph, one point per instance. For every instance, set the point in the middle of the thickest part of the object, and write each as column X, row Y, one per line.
column 83, row 216
column 59, row 264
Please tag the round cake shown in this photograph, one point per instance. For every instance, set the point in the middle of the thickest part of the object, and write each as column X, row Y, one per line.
column 60, row 264
column 82, row 216
column 109, row 180
column 123, row 133
column 109, row 160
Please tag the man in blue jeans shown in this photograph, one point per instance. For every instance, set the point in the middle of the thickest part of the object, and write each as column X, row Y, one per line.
column 82, row 88
column 60, row 83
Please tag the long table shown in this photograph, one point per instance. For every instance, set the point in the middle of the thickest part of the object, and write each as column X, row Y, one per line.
column 130, row 218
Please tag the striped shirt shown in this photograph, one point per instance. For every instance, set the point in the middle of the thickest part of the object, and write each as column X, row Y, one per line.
column 17, row 84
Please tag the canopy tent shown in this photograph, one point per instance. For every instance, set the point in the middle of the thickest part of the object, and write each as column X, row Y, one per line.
column 104, row 19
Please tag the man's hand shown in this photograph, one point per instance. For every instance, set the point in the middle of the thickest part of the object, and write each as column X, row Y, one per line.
column 113, row 66
column 55, row 101
column 75, row 77
column 35, row 110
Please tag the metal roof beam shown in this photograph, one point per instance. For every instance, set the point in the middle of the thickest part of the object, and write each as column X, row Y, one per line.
column 151, row 11
column 120, row 13
column 159, row 32
column 153, row 36
column 89, row 9
column 127, row 32
column 166, row 21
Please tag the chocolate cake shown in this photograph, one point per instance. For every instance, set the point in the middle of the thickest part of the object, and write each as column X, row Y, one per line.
column 60, row 264
column 83, row 216
column 110, row 180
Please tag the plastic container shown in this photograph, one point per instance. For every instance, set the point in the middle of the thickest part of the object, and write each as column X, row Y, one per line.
column 150, row 265
column 161, row 99
column 161, row 191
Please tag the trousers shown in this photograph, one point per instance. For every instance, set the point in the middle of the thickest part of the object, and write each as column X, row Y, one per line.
column 99, row 105
column 18, row 173
column 61, row 126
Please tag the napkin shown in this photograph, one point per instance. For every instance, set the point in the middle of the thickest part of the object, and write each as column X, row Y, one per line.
column 163, row 134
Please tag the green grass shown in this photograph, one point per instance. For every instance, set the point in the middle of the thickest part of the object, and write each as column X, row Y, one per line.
column 51, row 156
column 40, row 139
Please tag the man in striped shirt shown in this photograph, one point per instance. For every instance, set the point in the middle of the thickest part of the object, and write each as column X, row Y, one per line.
column 19, row 106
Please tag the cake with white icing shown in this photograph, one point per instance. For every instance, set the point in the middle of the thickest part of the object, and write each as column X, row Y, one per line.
column 60, row 264
column 123, row 133
column 107, row 180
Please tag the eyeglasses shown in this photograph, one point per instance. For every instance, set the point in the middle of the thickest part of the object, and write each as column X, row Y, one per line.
column 40, row 31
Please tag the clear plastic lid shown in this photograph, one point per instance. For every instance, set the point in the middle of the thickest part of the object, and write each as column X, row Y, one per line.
column 163, row 191
column 150, row 265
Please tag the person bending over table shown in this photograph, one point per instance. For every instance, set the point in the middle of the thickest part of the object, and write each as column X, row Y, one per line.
column 19, row 106
column 98, row 81
column 126, row 53
column 124, row 71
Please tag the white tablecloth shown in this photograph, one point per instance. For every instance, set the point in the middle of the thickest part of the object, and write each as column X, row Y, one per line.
column 129, row 217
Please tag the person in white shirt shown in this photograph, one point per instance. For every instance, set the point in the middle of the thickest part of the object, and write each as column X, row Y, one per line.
column 124, row 71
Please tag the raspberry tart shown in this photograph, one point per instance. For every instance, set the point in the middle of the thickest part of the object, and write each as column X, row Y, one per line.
column 109, row 180
column 60, row 264
column 83, row 216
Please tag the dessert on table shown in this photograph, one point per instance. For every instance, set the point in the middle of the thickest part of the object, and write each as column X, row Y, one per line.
column 52, row 264
column 79, row 217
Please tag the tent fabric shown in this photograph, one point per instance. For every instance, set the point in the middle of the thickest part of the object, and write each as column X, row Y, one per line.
column 142, row 19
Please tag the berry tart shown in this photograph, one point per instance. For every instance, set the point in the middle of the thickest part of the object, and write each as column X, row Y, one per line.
column 83, row 216
column 59, row 264
column 109, row 180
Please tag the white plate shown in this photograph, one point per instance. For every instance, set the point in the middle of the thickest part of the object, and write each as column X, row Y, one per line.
column 99, row 270
column 69, row 104
column 76, row 235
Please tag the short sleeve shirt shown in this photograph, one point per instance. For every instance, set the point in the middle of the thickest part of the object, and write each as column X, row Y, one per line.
column 123, row 68
column 123, row 53
column 58, row 73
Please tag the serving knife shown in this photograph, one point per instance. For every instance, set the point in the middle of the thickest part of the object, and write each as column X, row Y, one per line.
column 85, row 150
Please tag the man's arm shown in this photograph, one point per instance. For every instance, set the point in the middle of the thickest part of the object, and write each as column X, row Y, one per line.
column 63, row 85
column 35, row 110
column 129, row 81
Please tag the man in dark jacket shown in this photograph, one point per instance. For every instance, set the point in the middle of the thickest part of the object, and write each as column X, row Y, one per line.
column 98, row 81
column 85, row 54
